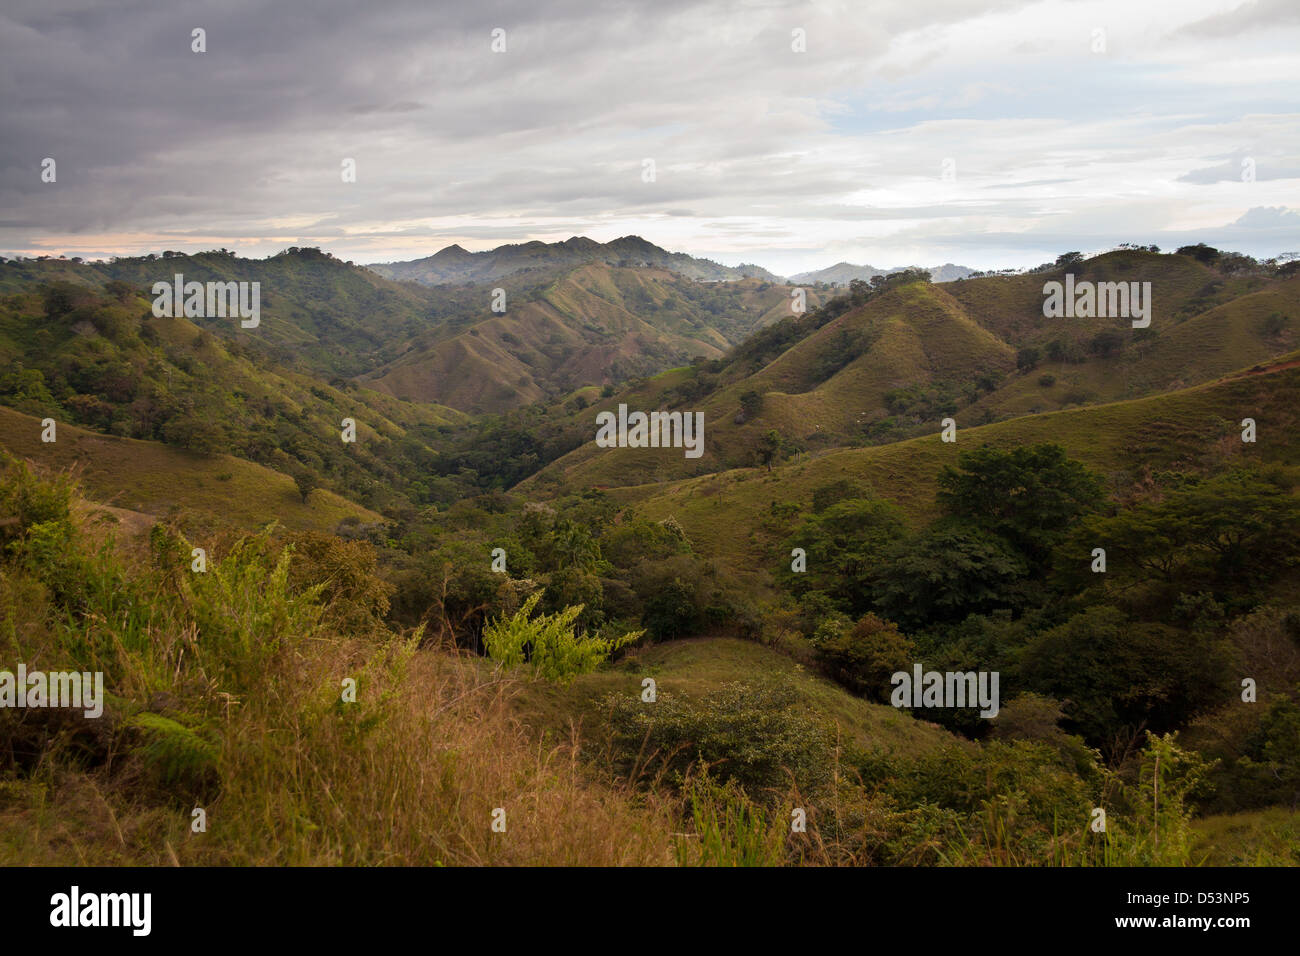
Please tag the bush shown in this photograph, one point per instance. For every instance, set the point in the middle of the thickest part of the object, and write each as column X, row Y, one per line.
column 757, row 735
column 864, row 658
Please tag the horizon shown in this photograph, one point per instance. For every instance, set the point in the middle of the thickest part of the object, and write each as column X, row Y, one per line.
column 1087, row 254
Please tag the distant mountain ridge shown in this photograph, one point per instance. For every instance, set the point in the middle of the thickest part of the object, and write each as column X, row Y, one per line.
column 842, row 273
column 455, row 264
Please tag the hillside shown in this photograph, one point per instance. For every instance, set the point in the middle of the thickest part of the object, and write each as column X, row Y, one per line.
column 596, row 325
column 204, row 491
column 1192, row 429
column 100, row 359
column 513, row 586
column 889, row 365
column 696, row 667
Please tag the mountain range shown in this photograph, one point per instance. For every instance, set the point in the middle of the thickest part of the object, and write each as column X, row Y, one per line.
column 456, row 265
column 842, row 273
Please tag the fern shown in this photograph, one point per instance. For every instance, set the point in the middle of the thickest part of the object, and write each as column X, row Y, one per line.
column 548, row 643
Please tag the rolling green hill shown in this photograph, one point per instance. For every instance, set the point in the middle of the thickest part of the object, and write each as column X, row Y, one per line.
column 894, row 364
column 210, row 490
column 730, row 515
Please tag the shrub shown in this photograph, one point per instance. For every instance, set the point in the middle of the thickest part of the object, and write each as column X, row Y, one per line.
column 864, row 658
column 760, row 736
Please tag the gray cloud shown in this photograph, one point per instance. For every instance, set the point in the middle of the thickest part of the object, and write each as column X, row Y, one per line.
column 761, row 154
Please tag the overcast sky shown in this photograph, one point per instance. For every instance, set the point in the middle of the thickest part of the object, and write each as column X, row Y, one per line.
column 991, row 134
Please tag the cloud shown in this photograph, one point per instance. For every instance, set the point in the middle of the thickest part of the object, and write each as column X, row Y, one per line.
column 761, row 153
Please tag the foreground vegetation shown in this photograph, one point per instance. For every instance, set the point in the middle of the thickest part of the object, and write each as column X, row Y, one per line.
column 226, row 693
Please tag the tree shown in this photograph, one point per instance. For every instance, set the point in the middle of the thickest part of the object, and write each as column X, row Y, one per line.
column 671, row 611
column 1028, row 495
column 1106, row 343
column 306, row 482
column 1226, row 533
column 845, row 544
column 864, row 657
column 750, row 403
column 948, row 572
column 1119, row 676
column 769, row 450
column 1027, row 359
column 1200, row 252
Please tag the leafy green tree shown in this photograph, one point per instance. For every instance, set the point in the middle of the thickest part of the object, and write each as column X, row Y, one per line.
column 1119, row 676
column 864, row 657
column 306, row 482
column 1028, row 495
column 844, row 545
column 1224, row 533
column 770, row 448
column 671, row 611
column 947, row 572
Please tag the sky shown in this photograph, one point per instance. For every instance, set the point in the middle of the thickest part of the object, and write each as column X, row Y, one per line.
column 794, row 135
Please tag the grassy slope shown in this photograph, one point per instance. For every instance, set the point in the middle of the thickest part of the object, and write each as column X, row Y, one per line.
column 917, row 334
column 154, row 478
column 951, row 333
column 693, row 668
column 1198, row 349
column 728, row 515
column 1258, row 838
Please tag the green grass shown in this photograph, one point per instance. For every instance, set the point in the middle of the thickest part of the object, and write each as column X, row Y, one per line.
column 1259, row 838
column 728, row 515
column 155, row 478
column 693, row 668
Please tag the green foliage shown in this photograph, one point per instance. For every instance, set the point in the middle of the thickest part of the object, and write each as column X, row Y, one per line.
column 758, row 735
column 672, row 610
column 183, row 757
column 1223, row 533
column 548, row 644
column 245, row 609
column 730, row 830
column 845, row 544
column 27, row 501
column 1028, row 495
column 864, row 657
column 1119, row 676
column 947, row 572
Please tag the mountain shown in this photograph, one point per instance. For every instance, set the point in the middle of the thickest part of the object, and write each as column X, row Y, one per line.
column 317, row 312
column 565, row 327
column 842, row 273
column 594, row 325
column 454, row 264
